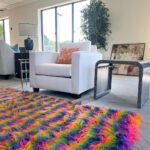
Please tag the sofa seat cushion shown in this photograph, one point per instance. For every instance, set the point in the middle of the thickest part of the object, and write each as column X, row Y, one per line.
column 52, row 69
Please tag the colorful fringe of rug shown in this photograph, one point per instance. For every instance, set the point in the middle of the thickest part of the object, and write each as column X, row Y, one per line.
column 30, row 121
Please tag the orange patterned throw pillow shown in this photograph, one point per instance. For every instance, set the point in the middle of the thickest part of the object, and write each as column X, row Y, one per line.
column 65, row 56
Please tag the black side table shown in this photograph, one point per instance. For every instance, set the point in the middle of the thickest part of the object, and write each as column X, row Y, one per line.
column 17, row 63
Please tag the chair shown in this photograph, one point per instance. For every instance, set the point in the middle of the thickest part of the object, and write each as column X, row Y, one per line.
column 6, row 60
column 74, row 78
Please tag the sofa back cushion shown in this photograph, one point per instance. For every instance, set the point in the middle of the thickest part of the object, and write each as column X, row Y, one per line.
column 93, row 48
column 83, row 46
column 65, row 56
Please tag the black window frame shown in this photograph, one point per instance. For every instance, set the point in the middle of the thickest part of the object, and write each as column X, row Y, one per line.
column 56, row 30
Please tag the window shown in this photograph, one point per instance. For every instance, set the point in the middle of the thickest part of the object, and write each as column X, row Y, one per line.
column 4, row 30
column 62, row 25
column 49, row 41
column 1, row 30
column 78, row 7
column 64, row 29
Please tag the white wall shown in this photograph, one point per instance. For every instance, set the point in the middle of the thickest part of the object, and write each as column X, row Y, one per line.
column 130, row 21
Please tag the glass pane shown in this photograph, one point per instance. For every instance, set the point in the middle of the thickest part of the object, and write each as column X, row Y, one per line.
column 64, row 24
column 7, row 31
column 49, row 36
column 78, row 35
column 1, row 30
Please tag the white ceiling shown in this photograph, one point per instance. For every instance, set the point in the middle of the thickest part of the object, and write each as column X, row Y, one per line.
column 7, row 4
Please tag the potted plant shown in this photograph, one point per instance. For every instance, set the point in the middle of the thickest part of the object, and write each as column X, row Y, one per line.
column 96, row 24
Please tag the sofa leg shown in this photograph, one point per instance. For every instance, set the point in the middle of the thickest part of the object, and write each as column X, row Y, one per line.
column 36, row 90
column 76, row 96
column 6, row 77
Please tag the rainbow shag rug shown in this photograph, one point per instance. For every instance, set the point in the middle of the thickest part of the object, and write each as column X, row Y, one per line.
column 30, row 121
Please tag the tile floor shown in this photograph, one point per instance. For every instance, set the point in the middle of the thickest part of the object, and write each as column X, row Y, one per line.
column 123, row 95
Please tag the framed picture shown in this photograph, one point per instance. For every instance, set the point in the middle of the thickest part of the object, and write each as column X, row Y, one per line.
column 130, row 52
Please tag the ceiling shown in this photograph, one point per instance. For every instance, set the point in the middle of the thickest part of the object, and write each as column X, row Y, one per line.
column 7, row 4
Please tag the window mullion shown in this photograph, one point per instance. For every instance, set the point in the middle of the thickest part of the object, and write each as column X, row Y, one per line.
column 3, row 29
column 72, row 22
column 56, row 30
column 42, row 33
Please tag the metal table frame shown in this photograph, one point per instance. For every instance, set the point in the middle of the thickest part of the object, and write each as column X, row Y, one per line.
column 24, row 71
column 107, row 67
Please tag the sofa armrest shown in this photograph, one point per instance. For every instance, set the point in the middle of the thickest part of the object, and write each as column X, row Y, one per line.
column 7, row 66
column 39, row 58
column 83, row 66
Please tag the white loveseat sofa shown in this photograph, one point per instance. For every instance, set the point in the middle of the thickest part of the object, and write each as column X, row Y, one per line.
column 75, row 78
column 6, row 60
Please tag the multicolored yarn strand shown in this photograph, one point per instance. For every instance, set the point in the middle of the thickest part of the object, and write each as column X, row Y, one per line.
column 30, row 121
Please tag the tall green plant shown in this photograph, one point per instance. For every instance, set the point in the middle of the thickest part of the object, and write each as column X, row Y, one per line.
column 95, row 23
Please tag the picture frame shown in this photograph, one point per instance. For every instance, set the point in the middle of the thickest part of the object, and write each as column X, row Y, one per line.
column 129, row 51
